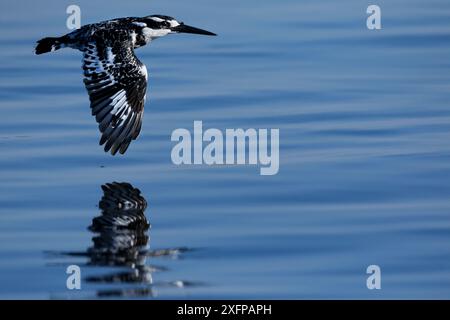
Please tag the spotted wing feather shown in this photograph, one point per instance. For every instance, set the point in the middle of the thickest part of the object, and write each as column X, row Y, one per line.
column 116, row 82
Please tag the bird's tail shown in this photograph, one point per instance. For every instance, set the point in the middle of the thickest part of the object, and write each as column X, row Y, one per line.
column 49, row 44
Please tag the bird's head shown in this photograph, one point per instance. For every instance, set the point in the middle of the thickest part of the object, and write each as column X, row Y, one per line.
column 158, row 26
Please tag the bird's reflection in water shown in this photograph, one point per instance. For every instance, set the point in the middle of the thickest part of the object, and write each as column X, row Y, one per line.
column 121, row 240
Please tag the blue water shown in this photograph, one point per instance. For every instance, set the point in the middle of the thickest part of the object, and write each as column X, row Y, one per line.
column 364, row 119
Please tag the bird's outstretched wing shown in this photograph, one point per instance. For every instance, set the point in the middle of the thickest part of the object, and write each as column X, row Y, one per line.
column 116, row 82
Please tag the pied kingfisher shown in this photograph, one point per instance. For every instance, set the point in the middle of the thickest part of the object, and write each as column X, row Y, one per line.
column 114, row 77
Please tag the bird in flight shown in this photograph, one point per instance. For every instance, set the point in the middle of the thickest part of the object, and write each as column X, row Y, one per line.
column 115, row 79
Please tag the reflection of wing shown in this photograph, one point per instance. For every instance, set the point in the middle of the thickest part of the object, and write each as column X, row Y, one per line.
column 130, row 220
column 122, row 208
column 116, row 82
column 122, row 238
column 121, row 241
column 122, row 196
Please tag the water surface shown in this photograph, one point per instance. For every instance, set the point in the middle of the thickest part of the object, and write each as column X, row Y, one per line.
column 364, row 178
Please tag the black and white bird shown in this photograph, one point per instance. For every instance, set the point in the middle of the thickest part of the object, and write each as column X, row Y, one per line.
column 114, row 77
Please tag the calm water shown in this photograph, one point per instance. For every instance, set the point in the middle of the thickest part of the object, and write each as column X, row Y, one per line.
column 364, row 119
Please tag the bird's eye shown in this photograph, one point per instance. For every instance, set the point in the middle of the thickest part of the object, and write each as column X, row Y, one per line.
column 166, row 24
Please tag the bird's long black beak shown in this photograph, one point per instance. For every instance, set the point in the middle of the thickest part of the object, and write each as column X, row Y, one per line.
column 182, row 28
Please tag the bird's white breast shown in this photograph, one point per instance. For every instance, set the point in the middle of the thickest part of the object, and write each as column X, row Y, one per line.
column 144, row 71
